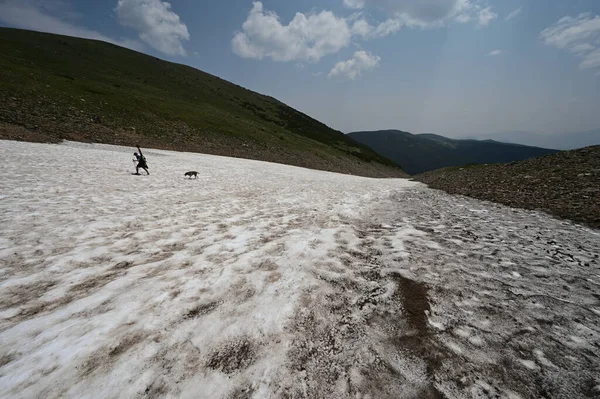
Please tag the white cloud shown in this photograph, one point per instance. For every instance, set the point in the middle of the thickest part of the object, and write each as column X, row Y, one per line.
column 352, row 68
column 485, row 16
column 580, row 36
column 591, row 60
column 494, row 53
column 417, row 11
column 581, row 48
column 461, row 11
column 29, row 15
column 463, row 18
column 310, row 37
column 569, row 31
column 156, row 24
column 428, row 13
column 388, row 27
column 354, row 3
column 367, row 31
column 306, row 37
column 513, row 14
column 361, row 28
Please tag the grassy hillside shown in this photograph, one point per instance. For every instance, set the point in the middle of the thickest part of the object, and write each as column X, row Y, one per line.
column 566, row 184
column 424, row 152
column 56, row 87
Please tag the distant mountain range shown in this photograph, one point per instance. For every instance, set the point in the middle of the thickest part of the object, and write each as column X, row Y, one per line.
column 419, row 153
column 560, row 141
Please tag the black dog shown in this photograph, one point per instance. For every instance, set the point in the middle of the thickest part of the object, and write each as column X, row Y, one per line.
column 192, row 173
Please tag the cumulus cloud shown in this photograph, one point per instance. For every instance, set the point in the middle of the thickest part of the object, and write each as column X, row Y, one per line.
column 157, row 25
column 494, row 53
column 513, row 14
column 310, row 37
column 580, row 35
column 352, row 68
column 361, row 28
column 31, row 15
column 485, row 16
column 306, row 37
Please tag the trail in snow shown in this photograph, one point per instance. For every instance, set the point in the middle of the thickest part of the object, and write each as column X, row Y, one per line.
column 264, row 280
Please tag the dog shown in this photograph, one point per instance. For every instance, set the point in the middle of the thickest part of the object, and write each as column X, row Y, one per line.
column 191, row 173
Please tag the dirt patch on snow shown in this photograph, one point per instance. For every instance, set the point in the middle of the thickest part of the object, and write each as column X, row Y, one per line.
column 202, row 309
column 104, row 358
column 233, row 356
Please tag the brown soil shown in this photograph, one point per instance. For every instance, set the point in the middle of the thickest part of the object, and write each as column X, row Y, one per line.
column 415, row 302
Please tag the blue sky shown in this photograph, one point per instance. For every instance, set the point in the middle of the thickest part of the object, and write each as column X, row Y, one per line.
column 452, row 67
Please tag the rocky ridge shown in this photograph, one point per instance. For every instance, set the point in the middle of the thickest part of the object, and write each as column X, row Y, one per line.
column 566, row 184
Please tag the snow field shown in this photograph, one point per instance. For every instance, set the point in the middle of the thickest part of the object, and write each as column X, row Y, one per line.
column 264, row 280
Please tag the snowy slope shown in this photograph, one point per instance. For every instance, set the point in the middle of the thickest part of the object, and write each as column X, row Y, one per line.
column 262, row 280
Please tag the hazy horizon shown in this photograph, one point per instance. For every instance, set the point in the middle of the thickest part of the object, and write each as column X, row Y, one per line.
column 557, row 141
column 483, row 134
column 457, row 68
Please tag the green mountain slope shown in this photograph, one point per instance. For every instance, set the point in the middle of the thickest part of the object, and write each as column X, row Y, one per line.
column 424, row 152
column 57, row 87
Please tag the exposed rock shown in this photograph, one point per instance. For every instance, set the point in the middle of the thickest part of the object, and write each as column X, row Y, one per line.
column 566, row 184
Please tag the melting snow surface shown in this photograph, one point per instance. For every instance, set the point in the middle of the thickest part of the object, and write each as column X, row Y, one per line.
column 261, row 280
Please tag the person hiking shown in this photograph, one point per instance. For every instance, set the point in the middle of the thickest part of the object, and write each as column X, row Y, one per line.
column 141, row 161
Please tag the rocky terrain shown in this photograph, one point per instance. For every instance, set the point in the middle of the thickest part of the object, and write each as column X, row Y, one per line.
column 566, row 184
